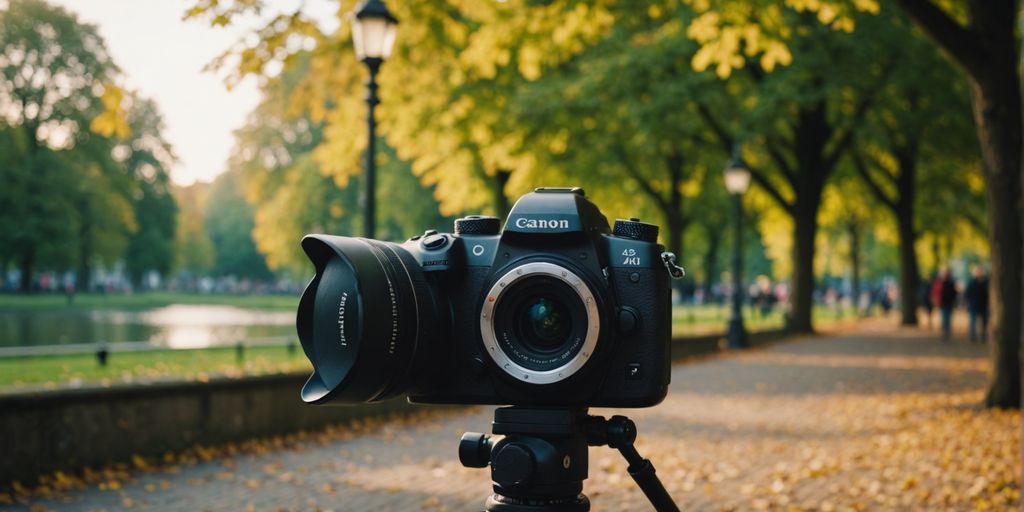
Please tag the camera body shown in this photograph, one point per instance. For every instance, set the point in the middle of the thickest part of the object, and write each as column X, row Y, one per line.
column 628, row 363
column 555, row 310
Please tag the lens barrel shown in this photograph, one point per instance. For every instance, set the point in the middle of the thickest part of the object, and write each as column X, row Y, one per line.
column 363, row 319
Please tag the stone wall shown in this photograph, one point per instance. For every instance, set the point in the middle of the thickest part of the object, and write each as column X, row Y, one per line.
column 67, row 429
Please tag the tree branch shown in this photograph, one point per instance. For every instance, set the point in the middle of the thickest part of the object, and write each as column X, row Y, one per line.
column 639, row 177
column 881, row 167
column 974, row 221
column 876, row 189
column 860, row 111
column 772, row 190
column 780, row 161
column 960, row 42
column 723, row 136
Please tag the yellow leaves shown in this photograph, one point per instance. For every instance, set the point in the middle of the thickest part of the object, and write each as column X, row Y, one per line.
column 827, row 13
column 870, row 6
column 722, row 52
column 530, row 58
column 139, row 463
column 560, row 142
column 723, row 44
column 776, row 53
column 704, row 27
column 730, row 29
column 113, row 120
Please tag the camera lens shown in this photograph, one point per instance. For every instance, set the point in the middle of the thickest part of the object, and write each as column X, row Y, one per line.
column 363, row 320
column 545, row 324
column 540, row 323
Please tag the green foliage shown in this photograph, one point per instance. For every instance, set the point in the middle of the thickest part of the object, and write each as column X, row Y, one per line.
column 146, row 157
column 194, row 252
column 85, row 170
column 486, row 100
column 228, row 220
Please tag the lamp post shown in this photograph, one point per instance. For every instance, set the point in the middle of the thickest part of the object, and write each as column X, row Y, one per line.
column 373, row 35
column 737, row 180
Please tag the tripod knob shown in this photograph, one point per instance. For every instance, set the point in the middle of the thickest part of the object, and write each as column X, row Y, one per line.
column 512, row 465
column 475, row 450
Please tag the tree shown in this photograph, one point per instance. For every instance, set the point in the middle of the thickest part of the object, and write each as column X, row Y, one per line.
column 445, row 91
column 803, row 115
column 987, row 48
column 194, row 252
column 919, row 120
column 54, row 71
column 980, row 37
column 292, row 193
column 229, row 223
column 147, row 158
column 643, row 135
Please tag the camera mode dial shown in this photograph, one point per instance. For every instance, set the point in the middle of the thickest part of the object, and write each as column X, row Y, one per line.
column 478, row 225
column 636, row 230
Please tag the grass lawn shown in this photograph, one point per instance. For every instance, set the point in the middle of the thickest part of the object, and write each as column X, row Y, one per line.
column 199, row 364
column 712, row 319
column 130, row 366
column 146, row 300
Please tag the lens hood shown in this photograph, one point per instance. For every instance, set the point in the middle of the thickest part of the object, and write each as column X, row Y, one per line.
column 361, row 319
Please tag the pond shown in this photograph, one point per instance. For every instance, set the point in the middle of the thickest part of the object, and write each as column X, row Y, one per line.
column 174, row 326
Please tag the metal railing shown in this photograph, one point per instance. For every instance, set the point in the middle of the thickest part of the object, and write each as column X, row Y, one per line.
column 102, row 350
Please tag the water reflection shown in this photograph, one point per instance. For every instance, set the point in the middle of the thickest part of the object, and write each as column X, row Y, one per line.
column 175, row 326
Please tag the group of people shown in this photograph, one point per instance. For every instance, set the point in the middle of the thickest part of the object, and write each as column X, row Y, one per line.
column 942, row 293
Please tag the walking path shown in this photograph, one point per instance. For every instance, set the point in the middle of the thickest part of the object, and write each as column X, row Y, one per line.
column 881, row 419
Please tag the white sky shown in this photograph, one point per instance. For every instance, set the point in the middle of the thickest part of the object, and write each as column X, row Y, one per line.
column 162, row 57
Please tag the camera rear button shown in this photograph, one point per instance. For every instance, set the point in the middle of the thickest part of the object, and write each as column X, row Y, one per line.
column 628, row 320
column 633, row 371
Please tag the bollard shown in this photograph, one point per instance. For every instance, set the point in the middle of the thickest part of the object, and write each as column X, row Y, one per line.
column 239, row 352
column 101, row 355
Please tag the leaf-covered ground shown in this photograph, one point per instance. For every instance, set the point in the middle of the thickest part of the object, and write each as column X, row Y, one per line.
column 879, row 420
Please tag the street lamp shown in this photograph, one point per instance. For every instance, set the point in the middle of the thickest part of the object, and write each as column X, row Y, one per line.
column 373, row 35
column 737, row 180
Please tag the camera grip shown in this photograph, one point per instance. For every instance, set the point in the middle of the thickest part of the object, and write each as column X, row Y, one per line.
column 641, row 363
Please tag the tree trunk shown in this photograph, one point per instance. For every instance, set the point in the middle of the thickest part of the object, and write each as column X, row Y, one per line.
column 987, row 51
column 28, row 260
column 996, row 103
column 909, row 273
column 501, row 203
column 711, row 259
column 853, row 229
column 675, row 224
column 84, row 253
column 805, row 226
column 812, row 135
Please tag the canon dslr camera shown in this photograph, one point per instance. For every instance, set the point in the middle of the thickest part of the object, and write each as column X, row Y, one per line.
column 554, row 310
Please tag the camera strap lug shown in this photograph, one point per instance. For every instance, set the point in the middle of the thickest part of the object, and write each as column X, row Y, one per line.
column 674, row 270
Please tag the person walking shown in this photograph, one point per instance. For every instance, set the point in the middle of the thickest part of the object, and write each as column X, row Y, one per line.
column 976, row 296
column 947, row 300
column 925, row 295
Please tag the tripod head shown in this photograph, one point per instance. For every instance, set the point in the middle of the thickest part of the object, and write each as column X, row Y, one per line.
column 540, row 464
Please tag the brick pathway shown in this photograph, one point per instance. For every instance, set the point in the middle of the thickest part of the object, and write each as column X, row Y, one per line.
column 881, row 419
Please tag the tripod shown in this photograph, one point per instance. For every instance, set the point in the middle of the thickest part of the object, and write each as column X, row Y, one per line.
column 540, row 464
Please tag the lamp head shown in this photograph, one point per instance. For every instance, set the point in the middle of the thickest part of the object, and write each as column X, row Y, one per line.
column 737, row 174
column 373, row 30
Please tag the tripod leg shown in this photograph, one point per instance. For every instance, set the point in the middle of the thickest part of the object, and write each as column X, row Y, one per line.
column 619, row 432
